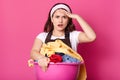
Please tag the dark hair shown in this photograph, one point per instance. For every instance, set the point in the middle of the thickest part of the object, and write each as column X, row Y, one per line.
column 49, row 25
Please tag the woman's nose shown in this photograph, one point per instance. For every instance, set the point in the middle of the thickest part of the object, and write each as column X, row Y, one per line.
column 60, row 20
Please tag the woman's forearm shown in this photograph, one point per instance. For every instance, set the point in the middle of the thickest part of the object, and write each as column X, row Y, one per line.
column 36, row 55
column 86, row 28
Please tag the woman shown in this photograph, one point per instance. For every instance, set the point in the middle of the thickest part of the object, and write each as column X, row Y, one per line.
column 60, row 25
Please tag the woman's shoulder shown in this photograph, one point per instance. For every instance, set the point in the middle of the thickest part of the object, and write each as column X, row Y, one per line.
column 74, row 36
column 75, row 32
column 42, row 35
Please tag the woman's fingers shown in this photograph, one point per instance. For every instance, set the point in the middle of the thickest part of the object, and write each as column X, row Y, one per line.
column 44, row 68
column 70, row 15
column 66, row 13
column 43, row 63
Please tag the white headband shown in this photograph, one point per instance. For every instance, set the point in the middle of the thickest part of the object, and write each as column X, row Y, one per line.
column 59, row 6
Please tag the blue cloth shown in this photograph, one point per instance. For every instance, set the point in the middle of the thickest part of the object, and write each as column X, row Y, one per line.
column 69, row 59
column 35, row 60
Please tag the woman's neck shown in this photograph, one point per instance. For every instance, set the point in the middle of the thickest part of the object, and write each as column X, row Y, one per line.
column 58, row 33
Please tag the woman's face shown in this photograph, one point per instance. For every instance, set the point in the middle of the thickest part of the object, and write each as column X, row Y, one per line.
column 59, row 20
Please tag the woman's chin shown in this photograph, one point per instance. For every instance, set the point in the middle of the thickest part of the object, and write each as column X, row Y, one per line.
column 60, row 29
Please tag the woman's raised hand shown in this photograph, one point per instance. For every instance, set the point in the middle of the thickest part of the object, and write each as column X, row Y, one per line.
column 70, row 15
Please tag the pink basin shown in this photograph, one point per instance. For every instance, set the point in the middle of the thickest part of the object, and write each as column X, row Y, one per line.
column 58, row 71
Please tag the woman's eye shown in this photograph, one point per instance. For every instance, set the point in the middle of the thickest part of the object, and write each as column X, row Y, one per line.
column 64, row 17
column 57, row 16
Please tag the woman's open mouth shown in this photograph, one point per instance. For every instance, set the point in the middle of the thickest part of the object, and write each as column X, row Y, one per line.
column 60, row 25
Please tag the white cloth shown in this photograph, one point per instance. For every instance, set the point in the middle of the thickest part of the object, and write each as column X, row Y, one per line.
column 73, row 38
column 59, row 6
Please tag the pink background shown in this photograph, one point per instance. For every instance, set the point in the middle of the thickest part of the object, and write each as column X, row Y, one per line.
column 22, row 20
